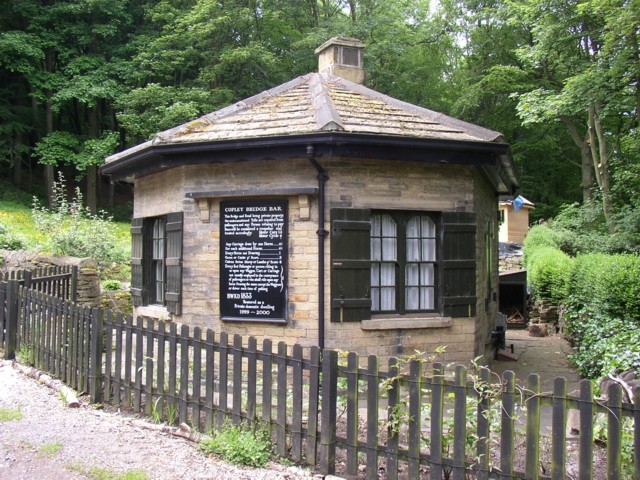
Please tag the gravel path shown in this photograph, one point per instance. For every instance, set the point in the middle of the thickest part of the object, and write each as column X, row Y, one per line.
column 52, row 441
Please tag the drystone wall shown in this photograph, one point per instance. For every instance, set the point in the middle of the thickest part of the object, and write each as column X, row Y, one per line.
column 88, row 291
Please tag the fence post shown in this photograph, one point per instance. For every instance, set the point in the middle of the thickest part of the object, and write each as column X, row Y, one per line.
column 95, row 365
column 11, row 322
column 614, row 432
column 27, row 279
column 73, row 294
column 329, row 404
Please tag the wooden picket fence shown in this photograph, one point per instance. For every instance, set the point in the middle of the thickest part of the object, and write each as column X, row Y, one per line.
column 60, row 281
column 343, row 414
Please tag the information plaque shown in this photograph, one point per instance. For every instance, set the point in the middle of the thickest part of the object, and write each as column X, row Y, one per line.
column 253, row 260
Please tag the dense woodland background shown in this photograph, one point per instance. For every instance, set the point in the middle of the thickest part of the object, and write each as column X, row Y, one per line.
column 81, row 79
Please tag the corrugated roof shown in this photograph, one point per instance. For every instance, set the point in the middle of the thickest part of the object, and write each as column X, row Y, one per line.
column 316, row 103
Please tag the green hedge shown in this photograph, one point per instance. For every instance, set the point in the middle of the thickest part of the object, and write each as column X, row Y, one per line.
column 540, row 236
column 609, row 284
column 602, row 297
column 548, row 273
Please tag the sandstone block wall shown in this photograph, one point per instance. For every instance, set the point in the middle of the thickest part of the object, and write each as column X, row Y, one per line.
column 354, row 183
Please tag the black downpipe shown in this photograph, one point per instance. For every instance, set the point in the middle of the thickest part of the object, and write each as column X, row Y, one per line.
column 322, row 234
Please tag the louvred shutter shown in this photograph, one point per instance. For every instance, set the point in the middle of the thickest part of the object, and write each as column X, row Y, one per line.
column 350, row 265
column 137, row 270
column 459, row 257
column 173, row 288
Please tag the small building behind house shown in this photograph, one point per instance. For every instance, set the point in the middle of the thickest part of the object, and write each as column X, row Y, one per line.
column 514, row 219
column 322, row 212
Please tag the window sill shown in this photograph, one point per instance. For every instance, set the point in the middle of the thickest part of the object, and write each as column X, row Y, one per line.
column 394, row 322
column 154, row 311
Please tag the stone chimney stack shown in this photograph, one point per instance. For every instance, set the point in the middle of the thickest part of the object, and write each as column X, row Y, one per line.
column 342, row 57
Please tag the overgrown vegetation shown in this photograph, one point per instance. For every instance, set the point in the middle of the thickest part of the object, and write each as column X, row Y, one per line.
column 62, row 229
column 9, row 240
column 71, row 229
column 241, row 445
column 582, row 228
column 574, row 262
column 492, row 391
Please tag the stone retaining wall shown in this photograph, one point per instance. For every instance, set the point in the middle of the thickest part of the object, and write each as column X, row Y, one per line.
column 88, row 290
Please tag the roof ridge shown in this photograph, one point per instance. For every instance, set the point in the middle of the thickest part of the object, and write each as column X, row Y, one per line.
column 324, row 110
column 465, row 127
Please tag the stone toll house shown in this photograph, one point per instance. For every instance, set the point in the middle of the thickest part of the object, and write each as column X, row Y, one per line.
column 325, row 213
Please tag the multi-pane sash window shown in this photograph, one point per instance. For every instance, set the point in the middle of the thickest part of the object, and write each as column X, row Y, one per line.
column 156, row 261
column 384, row 256
column 158, row 255
column 420, row 264
column 394, row 263
column 403, row 263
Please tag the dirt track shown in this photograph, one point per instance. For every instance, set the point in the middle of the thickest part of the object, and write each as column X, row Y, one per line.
column 52, row 441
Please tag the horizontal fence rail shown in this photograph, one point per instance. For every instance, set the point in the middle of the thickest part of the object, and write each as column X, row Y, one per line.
column 60, row 281
column 410, row 418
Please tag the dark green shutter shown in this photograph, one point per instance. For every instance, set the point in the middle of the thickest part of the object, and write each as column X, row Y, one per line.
column 173, row 288
column 459, row 257
column 350, row 265
column 137, row 256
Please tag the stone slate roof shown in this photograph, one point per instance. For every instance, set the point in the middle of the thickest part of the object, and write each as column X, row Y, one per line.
column 330, row 113
column 319, row 103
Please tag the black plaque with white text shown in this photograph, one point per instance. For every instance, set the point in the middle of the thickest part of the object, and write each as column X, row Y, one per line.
column 253, row 260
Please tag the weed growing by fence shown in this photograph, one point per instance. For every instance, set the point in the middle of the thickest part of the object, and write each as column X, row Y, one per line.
column 241, row 445
column 73, row 230
column 25, row 355
column 600, row 432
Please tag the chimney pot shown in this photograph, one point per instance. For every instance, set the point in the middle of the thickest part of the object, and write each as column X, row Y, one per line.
column 343, row 57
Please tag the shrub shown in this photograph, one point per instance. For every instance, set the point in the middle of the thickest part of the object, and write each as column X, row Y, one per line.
column 539, row 236
column 73, row 230
column 111, row 285
column 548, row 273
column 609, row 284
column 122, row 212
column 12, row 193
column 583, row 229
column 241, row 445
column 602, row 344
column 10, row 241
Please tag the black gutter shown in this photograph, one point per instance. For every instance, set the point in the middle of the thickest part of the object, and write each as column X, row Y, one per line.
column 358, row 144
column 322, row 234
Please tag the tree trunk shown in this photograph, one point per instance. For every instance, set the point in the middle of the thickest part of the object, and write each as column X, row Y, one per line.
column 49, row 175
column 17, row 161
column 352, row 10
column 111, row 194
column 92, row 188
column 636, row 60
column 600, row 157
column 585, row 156
column 92, row 170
